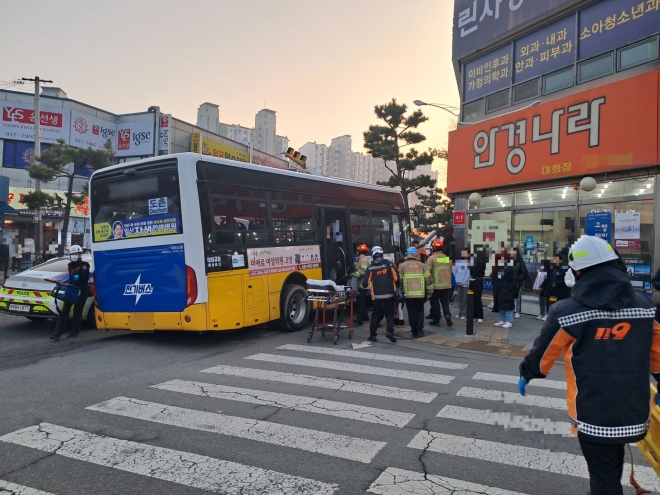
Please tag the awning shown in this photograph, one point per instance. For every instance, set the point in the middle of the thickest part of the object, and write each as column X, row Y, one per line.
column 5, row 208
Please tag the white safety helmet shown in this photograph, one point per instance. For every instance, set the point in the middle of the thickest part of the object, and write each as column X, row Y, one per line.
column 589, row 251
column 376, row 250
column 75, row 249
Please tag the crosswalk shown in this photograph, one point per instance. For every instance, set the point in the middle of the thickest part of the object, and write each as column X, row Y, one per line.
column 333, row 387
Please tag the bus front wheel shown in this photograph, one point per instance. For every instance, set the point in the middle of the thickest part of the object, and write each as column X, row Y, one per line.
column 294, row 308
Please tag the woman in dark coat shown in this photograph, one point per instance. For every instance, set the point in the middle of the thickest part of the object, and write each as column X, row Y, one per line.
column 521, row 274
column 477, row 274
column 505, row 289
column 554, row 285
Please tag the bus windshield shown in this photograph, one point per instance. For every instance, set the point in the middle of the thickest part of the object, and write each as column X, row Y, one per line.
column 142, row 203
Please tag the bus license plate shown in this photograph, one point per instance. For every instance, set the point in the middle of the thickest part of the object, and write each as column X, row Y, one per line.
column 19, row 307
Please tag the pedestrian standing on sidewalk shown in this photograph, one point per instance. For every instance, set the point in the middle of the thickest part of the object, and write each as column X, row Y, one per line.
column 607, row 337
column 461, row 272
column 541, row 275
column 505, row 288
column 383, row 278
column 521, row 274
column 477, row 274
column 361, row 265
column 417, row 286
column 554, row 284
column 440, row 264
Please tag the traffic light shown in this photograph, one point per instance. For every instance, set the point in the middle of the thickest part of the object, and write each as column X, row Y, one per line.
column 296, row 157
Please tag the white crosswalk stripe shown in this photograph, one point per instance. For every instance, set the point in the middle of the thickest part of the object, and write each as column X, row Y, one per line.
column 513, row 379
column 394, row 481
column 184, row 468
column 287, row 401
column 512, row 398
column 318, row 442
column 514, row 455
column 7, row 488
column 323, row 382
column 508, row 420
column 374, row 357
column 354, row 368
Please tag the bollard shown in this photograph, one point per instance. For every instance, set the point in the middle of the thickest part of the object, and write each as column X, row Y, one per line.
column 469, row 324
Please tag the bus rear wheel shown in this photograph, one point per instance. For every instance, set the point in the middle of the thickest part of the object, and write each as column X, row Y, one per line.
column 294, row 308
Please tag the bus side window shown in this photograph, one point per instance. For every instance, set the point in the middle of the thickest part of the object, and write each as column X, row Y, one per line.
column 292, row 223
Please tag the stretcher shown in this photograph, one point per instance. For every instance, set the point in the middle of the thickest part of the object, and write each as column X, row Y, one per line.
column 326, row 295
column 650, row 445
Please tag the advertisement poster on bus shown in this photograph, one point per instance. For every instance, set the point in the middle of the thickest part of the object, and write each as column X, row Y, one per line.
column 264, row 261
column 18, row 122
column 137, row 227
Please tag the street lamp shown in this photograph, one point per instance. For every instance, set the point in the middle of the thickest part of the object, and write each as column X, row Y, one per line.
column 447, row 108
column 439, row 210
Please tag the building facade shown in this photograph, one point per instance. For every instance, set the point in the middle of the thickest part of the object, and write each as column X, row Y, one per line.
column 559, row 128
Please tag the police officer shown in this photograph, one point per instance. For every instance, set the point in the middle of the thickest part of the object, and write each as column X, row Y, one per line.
column 361, row 265
column 609, row 340
column 417, row 286
column 440, row 265
column 78, row 277
column 383, row 278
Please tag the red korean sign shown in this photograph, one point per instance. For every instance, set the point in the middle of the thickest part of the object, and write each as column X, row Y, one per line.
column 17, row 122
column 459, row 219
column 603, row 129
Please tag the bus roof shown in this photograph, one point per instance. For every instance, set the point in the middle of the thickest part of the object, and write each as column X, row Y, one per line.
column 248, row 166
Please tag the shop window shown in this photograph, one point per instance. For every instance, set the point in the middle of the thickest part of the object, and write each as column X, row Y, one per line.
column 473, row 109
column 495, row 201
column 620, row 188
column 292, row 223
column 545, row 196
column 526, row 91
column 594, row 68
column 497, row 101
column 637, row 54
column 20, row 154
column 558, row 80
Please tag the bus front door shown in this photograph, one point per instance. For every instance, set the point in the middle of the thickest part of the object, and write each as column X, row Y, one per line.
column 335, row 243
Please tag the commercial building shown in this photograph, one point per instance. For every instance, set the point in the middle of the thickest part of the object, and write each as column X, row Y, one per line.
column 133, row 136
column 556, row 97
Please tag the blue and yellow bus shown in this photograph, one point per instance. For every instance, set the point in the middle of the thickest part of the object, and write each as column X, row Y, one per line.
column 195, row 243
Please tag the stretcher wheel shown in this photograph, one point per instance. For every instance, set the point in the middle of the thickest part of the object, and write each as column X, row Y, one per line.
column 309, row 336
column 350, row 334
column 336, row 339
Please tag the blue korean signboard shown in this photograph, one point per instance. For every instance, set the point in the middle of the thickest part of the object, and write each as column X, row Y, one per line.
column 545, row 50
column 488, row 74
column 599, row 224
column 613, row 23
column 529, row 242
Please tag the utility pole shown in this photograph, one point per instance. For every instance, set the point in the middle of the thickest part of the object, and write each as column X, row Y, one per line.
column 39, row 231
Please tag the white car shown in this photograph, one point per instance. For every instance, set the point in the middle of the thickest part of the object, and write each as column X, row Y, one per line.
column 28, row 293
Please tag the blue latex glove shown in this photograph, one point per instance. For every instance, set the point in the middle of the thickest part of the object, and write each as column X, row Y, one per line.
column 656, row 399
column 522, row 383
column 76, row 277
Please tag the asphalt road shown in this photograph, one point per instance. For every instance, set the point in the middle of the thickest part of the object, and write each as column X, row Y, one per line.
column 83, row 416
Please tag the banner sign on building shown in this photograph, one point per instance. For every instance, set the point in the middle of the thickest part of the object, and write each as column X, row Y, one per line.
column 613, row 23
column 164, row 144
column 459, row 219
column 88, row 131
column 599, row 224
column 545, row 50
column 17, row 122
column 594, row 131
column 57, row 203
column 478, row 23
column 488, row 74
column 205, row 146
column 264, row 261
column 135, row 138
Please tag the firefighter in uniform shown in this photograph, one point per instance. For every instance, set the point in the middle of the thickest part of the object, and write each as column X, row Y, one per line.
column 361, row 265
column 608, row 339
column 440, row 265
column 78, row 277
column 417, row 286
column 383, row 278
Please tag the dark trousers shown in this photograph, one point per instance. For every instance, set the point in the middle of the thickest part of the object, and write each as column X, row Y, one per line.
column 605, row 463
column 439, row 298
column 415, row 308
column 63, row 318
column 362, row 314
column 477, row 286
column 5, row 265
column 380, row 308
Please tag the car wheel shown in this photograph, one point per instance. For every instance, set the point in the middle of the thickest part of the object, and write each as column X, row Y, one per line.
column 294, row 308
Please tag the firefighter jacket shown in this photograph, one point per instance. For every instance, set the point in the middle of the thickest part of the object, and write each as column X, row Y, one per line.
column 361, row 265
column 416, row 278
column 609, row 340
column 440, row 265
column 383, row 278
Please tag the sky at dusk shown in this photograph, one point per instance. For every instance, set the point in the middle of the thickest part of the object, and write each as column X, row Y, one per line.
column 321, row 65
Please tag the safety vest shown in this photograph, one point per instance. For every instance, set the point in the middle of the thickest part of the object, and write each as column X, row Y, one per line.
column 440, row 265
column 416, row 277
column 361, row 265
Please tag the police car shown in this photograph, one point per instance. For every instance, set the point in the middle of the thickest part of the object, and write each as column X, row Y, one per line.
column 28, row 293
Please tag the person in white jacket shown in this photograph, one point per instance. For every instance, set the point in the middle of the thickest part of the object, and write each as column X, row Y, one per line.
column 543, row 301
column 461, row 271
